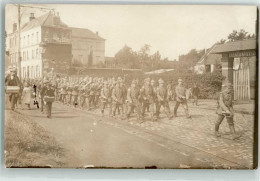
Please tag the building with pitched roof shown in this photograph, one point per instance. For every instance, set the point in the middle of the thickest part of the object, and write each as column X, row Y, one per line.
column 239, row 64
column 47, row 43
column 88, row 48
column 208, row 61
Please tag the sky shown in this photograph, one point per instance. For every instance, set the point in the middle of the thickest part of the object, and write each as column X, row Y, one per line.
column 171, row 29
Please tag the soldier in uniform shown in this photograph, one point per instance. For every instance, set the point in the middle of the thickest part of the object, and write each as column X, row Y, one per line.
column 117, row 100
column 49, row 92
column 147, row 94
column 180, row 92
column 106, row 99
column 133, row 98
column 69, row 92
column 13, row 80
column 225, row 109
column 75, row 96
column 162, row 100
column 42, row 91
column 63, row 93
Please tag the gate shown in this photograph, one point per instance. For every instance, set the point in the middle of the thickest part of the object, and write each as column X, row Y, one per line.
column 241, row 78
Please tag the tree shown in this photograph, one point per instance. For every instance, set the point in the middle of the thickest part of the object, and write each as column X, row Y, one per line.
column 222, row 41
column 126, row 58
column 238, row 35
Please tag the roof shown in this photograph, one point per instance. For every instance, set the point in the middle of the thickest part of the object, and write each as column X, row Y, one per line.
column 209, row 58
column 159, row 71
column 249, row 44
column 44, row 20
column 84, row 33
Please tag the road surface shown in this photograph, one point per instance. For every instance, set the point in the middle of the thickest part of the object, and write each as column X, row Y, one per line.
column 179, row 143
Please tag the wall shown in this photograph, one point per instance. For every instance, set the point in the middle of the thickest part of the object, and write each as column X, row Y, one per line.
column 81, row 51
column 31, row 65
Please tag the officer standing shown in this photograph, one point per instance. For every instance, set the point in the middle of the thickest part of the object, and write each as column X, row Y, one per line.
column 180, row 91
column 225, row 109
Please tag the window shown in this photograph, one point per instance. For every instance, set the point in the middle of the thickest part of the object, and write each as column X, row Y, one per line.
column 27, row 55
column 32, row 39
column 24, row 41
column 37, row 37
column 24, row 71
column 37, row 52
column 32, row 54
column 28, row 39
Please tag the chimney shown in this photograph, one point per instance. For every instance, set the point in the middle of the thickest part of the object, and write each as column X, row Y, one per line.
column 97, row 33
column 14, row 27
column 56, row 19
column 31, row 16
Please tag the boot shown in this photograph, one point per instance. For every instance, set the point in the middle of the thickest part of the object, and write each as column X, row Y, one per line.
column 216, row 130
column 234, row 134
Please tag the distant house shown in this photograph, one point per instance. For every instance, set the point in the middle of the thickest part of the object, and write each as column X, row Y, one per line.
column 88, row 48
column 208, row 61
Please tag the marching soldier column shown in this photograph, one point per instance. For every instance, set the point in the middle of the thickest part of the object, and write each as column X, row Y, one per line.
column 112, row 94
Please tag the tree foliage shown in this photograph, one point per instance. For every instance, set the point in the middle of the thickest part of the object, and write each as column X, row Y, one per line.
column 239, row 35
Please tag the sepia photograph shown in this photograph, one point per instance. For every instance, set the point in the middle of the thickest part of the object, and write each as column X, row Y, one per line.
column 131, row 86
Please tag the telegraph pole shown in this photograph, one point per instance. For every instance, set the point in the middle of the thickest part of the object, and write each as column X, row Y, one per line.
column 19, row 43
column 19, row 62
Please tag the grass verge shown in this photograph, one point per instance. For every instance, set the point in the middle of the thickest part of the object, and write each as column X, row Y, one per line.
column 28, row 145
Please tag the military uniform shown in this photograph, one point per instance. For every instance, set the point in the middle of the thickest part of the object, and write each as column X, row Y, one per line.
column 106, row 99
column 13, row 80
column 162, row 100
column 147, row 94
column 49, row 92
column 69, row 92
column 117, row 100
column 225, row 109
column 180, row 91
column 133, row 98
column 63, row 94
column 74, row 96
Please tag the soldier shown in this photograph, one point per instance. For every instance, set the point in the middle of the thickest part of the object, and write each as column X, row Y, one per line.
column 49, row 92
column 41, row 95
column 162, row 100
column 75, row 96
column 117, row 99
column 13, row 80
column 69, row 92
column 133, row 98
column 91, row 94
column 225, row 109
column 63, row 93
column 124, row 90
column 106, row 99
column 195, row 93
column 180, row 92
column 147, row 94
